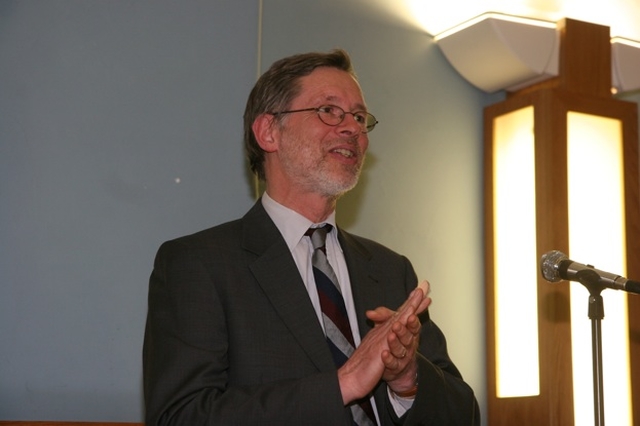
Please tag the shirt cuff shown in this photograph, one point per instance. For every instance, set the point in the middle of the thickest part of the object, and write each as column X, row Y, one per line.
column 400, row 405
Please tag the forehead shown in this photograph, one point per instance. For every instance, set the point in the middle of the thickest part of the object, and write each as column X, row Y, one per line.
column 330, row 85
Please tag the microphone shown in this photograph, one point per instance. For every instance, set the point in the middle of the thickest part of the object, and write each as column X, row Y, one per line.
column 556, row 266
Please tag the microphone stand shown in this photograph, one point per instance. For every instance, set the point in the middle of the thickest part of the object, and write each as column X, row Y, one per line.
column 591, row 280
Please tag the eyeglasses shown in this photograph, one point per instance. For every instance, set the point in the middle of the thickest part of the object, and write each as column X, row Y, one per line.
column 333, row 115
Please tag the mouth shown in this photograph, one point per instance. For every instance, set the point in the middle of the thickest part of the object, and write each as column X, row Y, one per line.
column 347, row 153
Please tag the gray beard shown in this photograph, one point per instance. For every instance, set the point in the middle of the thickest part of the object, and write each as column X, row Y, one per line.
column 335, row 189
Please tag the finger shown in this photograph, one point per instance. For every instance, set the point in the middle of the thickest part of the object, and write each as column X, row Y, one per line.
column 425, row 287
column 399, row 328
column 410, row 306
column 403, row 341
column 396, row 343
column 413, row 303
column 407, row 337
column 414, row 325
column 391, row 362
column 388, row 360
column 426, row 302
column 380, row 314
column 383, row 314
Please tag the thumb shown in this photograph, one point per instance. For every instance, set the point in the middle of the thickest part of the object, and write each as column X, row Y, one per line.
column 380, row 314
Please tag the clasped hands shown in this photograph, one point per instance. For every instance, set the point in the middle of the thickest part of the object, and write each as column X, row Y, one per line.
column 388, row 351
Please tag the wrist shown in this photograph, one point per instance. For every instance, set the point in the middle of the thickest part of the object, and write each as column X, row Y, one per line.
column 407, row 392
column 410, row 393
column 351, row 385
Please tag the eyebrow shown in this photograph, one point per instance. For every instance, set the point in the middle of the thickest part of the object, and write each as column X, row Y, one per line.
column 359, row 106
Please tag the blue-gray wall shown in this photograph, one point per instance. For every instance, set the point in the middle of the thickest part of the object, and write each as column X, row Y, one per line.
column 120, row 127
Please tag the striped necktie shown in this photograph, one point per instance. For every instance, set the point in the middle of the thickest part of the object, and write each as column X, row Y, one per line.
column 334, row 316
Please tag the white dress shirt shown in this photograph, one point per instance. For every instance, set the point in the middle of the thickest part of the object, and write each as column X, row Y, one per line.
column 293, row 226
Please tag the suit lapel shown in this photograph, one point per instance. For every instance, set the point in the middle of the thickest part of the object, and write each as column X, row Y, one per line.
column 278, row 275
column 367, row 292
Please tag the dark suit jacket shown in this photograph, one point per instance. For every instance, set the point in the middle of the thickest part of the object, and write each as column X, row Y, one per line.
column 232, row 338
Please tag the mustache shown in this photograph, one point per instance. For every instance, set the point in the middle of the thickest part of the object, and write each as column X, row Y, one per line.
column 352, row 141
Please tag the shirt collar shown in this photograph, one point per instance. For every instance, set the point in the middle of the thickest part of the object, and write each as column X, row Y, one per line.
column 291, row 224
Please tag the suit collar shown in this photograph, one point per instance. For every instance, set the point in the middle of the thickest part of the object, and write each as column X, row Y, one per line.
column 258, row 230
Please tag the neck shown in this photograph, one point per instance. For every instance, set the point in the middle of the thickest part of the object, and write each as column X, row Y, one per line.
column 313, row 206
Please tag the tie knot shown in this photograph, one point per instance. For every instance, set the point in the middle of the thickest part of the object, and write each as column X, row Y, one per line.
column 318, row 235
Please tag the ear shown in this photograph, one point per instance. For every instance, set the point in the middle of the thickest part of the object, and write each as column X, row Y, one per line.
column 266, row 132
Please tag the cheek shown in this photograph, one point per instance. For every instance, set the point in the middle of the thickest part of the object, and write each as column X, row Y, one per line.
column 364, row 143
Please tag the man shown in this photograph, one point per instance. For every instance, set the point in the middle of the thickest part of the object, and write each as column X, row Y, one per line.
column 237, row 331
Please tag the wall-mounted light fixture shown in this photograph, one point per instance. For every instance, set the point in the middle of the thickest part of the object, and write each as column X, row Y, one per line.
column 625, row 60
column 561, row 173
column 495, row 51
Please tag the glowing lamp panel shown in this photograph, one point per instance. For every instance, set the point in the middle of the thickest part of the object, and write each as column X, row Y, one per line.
column 515, row 266
column 597, row 234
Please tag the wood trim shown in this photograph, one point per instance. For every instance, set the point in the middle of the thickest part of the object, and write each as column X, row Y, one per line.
column 585, row 58
column 554, row 405
column 582, row 86
column 632, row 200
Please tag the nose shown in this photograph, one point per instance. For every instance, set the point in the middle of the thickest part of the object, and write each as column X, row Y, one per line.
column 349, row 125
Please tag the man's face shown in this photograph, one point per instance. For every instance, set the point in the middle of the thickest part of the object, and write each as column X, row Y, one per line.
column 316, row 157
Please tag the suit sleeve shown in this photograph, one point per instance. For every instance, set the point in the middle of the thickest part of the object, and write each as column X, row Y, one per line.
column 443, row 397
column 186, row 366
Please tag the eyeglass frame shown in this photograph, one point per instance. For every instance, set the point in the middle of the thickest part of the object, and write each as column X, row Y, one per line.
column 364, row 127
